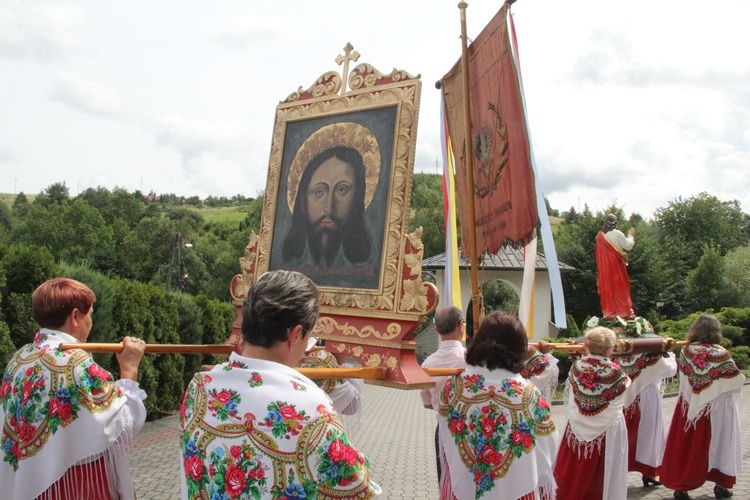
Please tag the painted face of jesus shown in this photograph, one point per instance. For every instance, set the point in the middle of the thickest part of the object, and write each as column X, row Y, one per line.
column 329, row 202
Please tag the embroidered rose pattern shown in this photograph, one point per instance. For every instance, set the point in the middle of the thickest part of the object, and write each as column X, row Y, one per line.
column 186, row 408
column 590, row 380
column 233, row 471
column 511, row 387
column 474, row 383
column 536, row 363
column 255, row 380
column 62, row 408
column 297, row 386
column 21, row 400
column 340, row 464
column 283, row 420
column 594, row 383
column 704, row 363
column 36, row 407
column 234, row 364
column 492, row 435
column 634, row 365
column 273, row 449
column 95, row 378
column 223, row 403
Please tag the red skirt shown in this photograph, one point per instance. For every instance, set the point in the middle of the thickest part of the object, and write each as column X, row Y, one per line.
column 578, row 477
column 632, row 421
column 685, row 464
column 87, row 481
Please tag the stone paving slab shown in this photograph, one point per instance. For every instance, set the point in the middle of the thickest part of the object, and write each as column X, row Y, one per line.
column 397, row 435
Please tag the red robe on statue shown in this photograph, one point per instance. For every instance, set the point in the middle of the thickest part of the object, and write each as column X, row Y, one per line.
column 612, row 280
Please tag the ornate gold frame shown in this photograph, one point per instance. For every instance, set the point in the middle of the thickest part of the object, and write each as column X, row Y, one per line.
column 401, row 294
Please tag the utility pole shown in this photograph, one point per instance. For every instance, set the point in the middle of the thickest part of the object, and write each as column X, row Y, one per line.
column 176, row 247
column 177, row 251
column 182, row 267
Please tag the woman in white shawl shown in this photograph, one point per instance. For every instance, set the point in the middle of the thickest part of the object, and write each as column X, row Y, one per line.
column 592, row 461
column 704, row 438
column 66, row 423
column 497, row 432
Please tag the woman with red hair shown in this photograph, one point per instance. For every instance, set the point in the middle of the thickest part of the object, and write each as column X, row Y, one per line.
column 65, row 421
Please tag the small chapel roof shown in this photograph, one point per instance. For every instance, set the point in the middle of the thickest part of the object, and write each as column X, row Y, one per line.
column 508, row 258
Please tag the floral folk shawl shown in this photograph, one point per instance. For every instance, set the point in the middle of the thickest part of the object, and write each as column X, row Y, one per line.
column 344, row 394
column 596, row 388
column 259, row 429
column 644, row 370
column 706, row 372
column 498, row 434
column 59, row 409
column 542, row 370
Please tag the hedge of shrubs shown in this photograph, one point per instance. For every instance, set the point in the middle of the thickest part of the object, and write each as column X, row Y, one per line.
column 122, row 308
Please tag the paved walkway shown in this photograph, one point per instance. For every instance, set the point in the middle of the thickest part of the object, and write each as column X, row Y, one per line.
column 397, row 436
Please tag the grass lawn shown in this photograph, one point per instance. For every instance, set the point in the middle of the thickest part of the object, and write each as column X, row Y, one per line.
column 222, row 215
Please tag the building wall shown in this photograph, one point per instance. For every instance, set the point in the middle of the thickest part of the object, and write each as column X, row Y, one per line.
column 543, row 326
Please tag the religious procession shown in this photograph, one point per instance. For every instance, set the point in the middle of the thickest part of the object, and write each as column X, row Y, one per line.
column 330, row 295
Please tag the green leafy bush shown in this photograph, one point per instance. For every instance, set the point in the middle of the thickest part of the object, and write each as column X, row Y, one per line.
column 572, row 331
column 190, row 328
column 741, row 356
column 7, row 349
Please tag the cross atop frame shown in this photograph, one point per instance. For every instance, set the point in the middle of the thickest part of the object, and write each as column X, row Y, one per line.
column 349, row 55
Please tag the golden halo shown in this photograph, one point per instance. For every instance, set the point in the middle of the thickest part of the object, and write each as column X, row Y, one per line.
column 348, row 134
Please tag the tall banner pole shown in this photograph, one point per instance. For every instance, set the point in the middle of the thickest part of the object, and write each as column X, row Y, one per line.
column 476, row 295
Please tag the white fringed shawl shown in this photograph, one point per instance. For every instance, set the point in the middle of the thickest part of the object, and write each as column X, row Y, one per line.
column 59, row 410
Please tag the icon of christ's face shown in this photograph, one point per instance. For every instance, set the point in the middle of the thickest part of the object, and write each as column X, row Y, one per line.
column 330, row 197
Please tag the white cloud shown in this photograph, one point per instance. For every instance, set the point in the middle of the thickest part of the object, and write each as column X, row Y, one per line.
column 243, row 30
column 215, row 157
column 6, row 156
column 86, row 96
column 193, row 138
column 634, row 105
column 40, row 32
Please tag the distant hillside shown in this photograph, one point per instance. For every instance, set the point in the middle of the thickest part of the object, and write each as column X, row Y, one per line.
column 9, row 198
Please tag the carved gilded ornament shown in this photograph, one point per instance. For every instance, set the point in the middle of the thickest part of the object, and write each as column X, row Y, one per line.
column 373, row 324
column 368, row 359
column 400, row 293
column 328, row 326
column 241, row 283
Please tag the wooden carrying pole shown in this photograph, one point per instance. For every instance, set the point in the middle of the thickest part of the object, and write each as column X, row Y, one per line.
column 215, row 349
column 469, row 153
column 374, row 373
column 623, row 346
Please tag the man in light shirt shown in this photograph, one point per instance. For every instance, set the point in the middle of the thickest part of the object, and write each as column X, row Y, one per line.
column 449, row 323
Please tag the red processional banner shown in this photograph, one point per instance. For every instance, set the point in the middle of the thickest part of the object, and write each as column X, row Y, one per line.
column 503, row 191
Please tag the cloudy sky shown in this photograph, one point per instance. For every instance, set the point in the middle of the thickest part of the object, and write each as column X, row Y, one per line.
column 631, row 103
